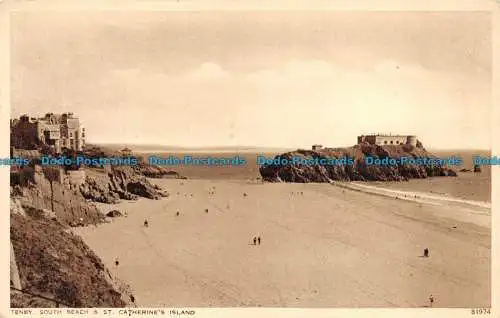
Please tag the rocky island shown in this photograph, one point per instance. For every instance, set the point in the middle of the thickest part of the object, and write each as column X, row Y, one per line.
column 359, row 170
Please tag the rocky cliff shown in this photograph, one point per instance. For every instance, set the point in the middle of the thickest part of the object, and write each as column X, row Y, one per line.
column 359, row 170
column 63, row 201
column 58, row 265
column 52, row 262
column 112, row 183
column 50, row 188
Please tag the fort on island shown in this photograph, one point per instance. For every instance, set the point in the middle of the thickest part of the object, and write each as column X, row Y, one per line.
column 388, row 139
column 57, row 131
column 380, row 140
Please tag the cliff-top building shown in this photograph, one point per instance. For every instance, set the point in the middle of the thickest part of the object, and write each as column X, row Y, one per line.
column 55, row 131
column 388, row 139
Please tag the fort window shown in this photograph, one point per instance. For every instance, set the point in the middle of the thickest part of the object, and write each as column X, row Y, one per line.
column 385, row 142
column 391, row 142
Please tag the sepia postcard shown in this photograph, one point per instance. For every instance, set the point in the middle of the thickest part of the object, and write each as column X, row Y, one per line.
column 282, row 161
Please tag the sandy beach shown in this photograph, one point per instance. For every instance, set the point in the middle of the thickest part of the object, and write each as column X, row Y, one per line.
column 313, row 90
column 326, row 247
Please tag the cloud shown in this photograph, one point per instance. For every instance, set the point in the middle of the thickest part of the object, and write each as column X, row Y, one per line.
column 208, row 71
column 296, row 103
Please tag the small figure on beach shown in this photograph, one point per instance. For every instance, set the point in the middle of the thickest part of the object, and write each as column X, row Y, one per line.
column 431, row 300
column 146, row 224
column 132, row 299
column 258, row 240
column 116, row 262
column 244, row 194
column 206, row 210
column 254, row 241
column 426, row 252
column 177, row 214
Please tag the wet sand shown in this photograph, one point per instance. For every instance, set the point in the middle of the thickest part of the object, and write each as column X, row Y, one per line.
column 467, row 185
column 326, row 247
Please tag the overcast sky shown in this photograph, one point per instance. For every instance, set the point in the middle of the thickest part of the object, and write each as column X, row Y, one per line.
column 287, row 79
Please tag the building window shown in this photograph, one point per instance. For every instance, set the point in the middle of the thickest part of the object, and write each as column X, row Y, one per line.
column 385, row 142
column 397, row 141
column 391, row 142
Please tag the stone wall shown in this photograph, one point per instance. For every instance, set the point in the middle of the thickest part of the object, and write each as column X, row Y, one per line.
column 390, row 140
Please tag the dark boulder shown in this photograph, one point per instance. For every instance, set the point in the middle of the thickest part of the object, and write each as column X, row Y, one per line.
column 143, row 190
column 114, row 213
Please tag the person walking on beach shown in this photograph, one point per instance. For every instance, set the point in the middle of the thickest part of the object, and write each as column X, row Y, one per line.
column 146, row 224
column 116, row 262
column 258, row 240
column 431, row 300
column 426, row 252
column 254, row 241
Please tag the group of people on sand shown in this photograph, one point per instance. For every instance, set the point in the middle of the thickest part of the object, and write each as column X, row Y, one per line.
column 256, row 240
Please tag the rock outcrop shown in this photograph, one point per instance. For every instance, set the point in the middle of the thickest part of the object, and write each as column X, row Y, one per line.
column 359, row 170
column 114, row 214
column 113, row 183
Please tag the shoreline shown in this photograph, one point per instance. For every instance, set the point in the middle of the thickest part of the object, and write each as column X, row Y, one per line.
column 413, row 195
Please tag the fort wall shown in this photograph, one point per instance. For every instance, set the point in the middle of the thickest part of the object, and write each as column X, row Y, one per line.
column 387, row 140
